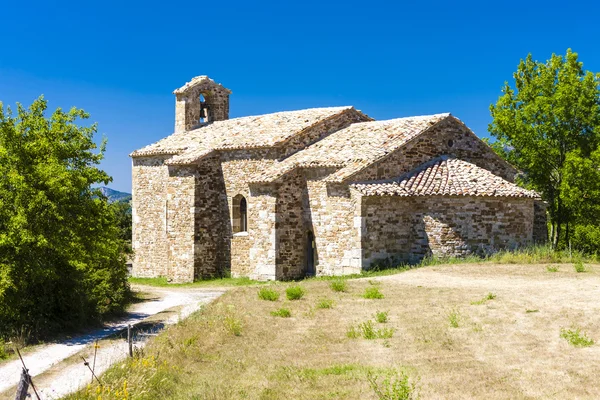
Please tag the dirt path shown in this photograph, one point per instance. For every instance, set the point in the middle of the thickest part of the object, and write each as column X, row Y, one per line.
column 54, row 376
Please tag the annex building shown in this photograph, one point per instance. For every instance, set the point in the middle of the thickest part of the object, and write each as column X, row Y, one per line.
column 323, row 191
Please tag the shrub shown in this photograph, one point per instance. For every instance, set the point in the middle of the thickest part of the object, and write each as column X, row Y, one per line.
column 372, row 293
column 579, row 267
column 3, row 350
column 576, row 337
column 268, row 294
column 552, row 268
column 368, row 331
column 454, row 318
column 338, row 285
column 586, row 238
column 381, row 316
column 294, row 292
column 394, row 388
column 325, row 303
column 282, row 312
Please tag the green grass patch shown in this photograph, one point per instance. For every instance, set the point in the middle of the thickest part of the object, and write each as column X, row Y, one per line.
column 580, row 267
column 325, row 303
column 531, row 311
column 282, row 312
column 268, row 294
column 394, row 387
column 372, row 292
column 489, row 296
column 576, row 337
column 368, row 331
column 454, row 318
column 294, row 292
column 381, row 316
column 552, row 268
column 339, row 285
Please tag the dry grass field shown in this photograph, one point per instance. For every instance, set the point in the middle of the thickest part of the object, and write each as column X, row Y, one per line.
column 482, row 331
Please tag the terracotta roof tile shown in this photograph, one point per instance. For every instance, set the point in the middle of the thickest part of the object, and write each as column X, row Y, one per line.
column 238, row 133
column 355, row 147
column 446, row 176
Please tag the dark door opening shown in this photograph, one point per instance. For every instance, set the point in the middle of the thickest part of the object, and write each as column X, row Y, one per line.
column 310, row 254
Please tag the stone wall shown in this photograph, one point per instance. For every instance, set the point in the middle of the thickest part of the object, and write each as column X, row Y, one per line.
column 410, row 228
column 212, row 227
column 262, row 232
column 181, row 209
column 334, row 216
column 448, row 137
column 149, row 211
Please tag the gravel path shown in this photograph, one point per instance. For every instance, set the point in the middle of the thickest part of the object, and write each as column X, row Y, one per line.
column 58, row 380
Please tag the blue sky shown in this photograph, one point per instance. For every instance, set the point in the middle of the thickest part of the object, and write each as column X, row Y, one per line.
column 120, row 61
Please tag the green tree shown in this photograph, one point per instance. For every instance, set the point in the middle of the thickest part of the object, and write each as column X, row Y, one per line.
column 553, row 111
column 61, row 258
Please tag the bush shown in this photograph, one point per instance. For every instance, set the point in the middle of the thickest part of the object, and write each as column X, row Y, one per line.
column 3, row 350
column 372, row 293
column 325, row 303
column 268, row 294
column 381, row 316
column 576, row 337
column 294, row 292
column 338, row 285
column 579, row 267
column 586, row 238
column 282, row 312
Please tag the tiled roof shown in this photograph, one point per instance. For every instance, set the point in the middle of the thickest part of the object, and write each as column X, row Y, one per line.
column 446, row 176
column 238, row 133
column 355, row 147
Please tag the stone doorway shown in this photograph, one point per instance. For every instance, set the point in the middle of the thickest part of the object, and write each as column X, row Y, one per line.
column 310, row 254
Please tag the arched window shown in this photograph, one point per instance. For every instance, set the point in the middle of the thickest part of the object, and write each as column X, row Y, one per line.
column 240, row 214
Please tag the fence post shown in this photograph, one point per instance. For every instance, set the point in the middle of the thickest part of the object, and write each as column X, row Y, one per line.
column 130, row 340
column 23, row 386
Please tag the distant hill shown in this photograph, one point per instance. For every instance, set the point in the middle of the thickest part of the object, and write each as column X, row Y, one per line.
column 115, row 195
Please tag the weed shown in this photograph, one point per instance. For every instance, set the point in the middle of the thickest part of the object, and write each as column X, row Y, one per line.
column 294, row 292
column 338, row 285
column 576, row 337
column 352, row 332
column 325, row 303
column 398, row 387
column 454, row 318
column 552, row 268
column 489, row 296
column 372, row 293
column 268, row 294
column 381, row 316
column 367, row 330
column 282, row 312
column 233, row 325
column 531, row 311
column 579, row 267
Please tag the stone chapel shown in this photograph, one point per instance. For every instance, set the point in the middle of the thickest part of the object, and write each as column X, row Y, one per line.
column 322, row 191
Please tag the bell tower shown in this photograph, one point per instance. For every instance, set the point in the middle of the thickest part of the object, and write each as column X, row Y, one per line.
column 200, row 101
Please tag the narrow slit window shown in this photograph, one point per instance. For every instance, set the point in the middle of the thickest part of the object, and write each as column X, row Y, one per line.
column 240, row 214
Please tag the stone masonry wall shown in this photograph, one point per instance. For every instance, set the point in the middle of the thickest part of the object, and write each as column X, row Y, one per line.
column 212, row 227
column 333, row 218
column 464, row 145
column 410, row 228
column 180, row 223
column 149, row 205
column 262, row 232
